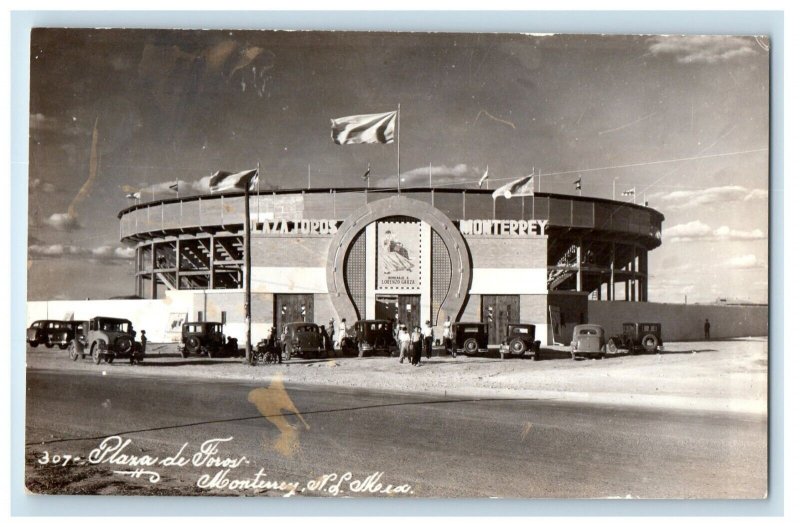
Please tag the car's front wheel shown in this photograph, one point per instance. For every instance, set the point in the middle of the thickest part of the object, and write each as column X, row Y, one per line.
column 96, row 355
column 48, row 345
column 73, row 351
column 33, row 343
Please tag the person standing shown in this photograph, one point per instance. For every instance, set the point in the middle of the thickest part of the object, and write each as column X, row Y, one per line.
column 144, row 342
column 342, row 332
column 331, row 328
column 416, row 346
column 707, row 329
column 448, row 335
column 427, row 334
column 403, row 341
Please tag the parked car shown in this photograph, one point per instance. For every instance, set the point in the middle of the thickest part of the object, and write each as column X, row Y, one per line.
column 470, row 338
column 107, row 339
column 51, row 333
column 206, row 338
column 637, row 337
column 301, row 339
column 373, row 336
column 520, row 339
column 588, row 340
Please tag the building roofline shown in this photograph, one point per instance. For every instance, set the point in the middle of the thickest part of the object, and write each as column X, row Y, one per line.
column 386, row 190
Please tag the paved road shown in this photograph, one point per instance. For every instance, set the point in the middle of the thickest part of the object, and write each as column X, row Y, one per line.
column 438, row 447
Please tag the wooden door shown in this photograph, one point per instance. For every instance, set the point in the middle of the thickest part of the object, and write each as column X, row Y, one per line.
column 293, row 308
column 498, row 311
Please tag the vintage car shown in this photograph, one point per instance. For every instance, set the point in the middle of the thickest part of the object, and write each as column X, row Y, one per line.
column 588, row 340
column 637, row 337
column 301, row 339
column 373, row 336
column 520, row 339
column 106, row 339
column 51, row 333
column 206, row 338
column 470, row 338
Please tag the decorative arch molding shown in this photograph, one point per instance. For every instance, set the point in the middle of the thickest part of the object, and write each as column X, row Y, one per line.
column 460, row 267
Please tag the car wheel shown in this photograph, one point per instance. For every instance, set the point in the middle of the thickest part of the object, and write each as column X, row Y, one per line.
column 33, row 344
column 650, row 343
column 96, row 355
column 611, row 346
column 193, row 344
column 285, row 353
column 48, row 345
column 63, row 346
column 470, row 346
column 517, row 346
column 73, row 352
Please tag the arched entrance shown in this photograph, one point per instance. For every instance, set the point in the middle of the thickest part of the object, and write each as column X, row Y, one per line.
column 461, row 270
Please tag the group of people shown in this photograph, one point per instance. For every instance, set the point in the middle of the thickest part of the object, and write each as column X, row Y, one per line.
column 412, row 344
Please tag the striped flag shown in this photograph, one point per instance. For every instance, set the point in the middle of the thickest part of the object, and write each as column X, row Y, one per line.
column 135, row 195
column 174, row 187
column 577, row 183
column 222, row 180
column 484, row 177
column 366, row 174
column 368, row 128
column 629, row 192
column 519, row 187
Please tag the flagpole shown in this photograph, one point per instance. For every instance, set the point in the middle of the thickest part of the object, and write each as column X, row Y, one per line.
column 398, row 147
column 248, row 349
column 430, row 175
column 309, row 177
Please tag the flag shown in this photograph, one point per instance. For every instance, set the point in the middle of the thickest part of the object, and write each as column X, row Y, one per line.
column 222, row 180
column 135, row 195
column 369, row 128
column 629, row 192
column 366, row 174
column 519, row 187
column 174, row 187
column 484, row 177
column 578, row 184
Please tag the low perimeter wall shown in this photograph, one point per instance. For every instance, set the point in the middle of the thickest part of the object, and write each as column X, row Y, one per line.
column 683, row 322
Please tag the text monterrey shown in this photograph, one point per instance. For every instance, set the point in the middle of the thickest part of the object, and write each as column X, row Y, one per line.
column 503, row 227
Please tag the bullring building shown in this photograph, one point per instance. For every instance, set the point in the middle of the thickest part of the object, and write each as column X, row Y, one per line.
column 421, row 254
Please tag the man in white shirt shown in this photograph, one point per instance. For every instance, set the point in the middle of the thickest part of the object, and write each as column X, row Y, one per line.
column 448, row 335
column 427, row 334
column 342, row 332
column 403, row 342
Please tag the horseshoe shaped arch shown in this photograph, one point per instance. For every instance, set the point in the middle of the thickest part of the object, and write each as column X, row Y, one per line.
column 460, row 268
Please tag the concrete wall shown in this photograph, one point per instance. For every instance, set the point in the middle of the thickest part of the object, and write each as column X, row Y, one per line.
column 683, row 322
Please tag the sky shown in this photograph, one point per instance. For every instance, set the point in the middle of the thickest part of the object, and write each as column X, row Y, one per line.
column 683, row 120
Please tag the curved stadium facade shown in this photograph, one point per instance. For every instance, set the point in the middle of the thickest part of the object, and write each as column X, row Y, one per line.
column 422, row 254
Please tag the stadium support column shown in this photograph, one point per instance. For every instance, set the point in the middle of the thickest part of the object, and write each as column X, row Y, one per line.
column 579, row 261
column 612, row 289
column 153, row 284
column 178, row 263
column 212, row 250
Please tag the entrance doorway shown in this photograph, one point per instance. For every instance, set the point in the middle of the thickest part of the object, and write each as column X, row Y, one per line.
column 401, row 309
column 498, row 311
column 293, row 308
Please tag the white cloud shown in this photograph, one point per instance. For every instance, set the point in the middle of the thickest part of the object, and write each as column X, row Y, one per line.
column 703, row 49
column 63, row 221
column 101, row 253
column 699, row 231
column 745, row 261
column 682, row 199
